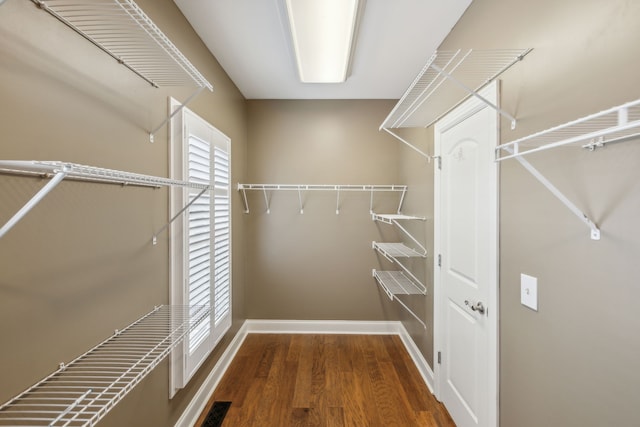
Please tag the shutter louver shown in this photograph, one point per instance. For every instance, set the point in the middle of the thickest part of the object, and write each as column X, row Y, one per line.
column 199, row 238
column 221, row 225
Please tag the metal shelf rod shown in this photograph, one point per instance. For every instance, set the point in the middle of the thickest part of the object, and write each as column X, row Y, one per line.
column 595, row 127
column 243, row 188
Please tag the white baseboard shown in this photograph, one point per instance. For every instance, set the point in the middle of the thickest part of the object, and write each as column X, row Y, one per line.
column 421, row 363
column 202, row 396
column 321, row 327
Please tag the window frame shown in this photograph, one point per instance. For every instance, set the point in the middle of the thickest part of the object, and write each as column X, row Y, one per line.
column 183, row 363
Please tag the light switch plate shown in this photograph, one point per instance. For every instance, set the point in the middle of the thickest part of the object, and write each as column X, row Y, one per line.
column 529, row 291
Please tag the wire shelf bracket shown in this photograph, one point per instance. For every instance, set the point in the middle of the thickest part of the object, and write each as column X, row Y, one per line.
column 122, row 30
column 395, row 283
column 617, row 124
column 82, row 392
column 448, row 79
column 58, row 171
column 303, row 188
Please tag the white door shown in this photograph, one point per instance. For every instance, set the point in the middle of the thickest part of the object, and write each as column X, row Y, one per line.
column 466, row 269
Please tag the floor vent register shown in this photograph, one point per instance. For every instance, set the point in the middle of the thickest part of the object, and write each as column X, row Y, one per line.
column 216, row 415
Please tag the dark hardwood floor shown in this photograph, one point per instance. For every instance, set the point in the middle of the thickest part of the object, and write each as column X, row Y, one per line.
column 326, row 380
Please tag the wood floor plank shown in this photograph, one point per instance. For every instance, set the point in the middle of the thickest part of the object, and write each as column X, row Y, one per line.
column 279, row 380
column 302, row 390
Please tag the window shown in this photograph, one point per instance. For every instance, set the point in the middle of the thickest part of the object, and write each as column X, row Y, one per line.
column 200, row 244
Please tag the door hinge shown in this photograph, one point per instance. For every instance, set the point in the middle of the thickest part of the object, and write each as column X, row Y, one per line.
column 439, row 358
column 439, row 159
column 439, row 260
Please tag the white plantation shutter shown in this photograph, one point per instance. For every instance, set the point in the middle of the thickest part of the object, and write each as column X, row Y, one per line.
column 200, row 246
column 199, row 237
column 221, row 226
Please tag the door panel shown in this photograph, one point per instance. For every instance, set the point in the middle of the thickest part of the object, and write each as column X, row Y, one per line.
column 466, row 211
column 461, row 205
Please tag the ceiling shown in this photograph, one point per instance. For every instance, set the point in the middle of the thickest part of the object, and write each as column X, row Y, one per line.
column 250, row 39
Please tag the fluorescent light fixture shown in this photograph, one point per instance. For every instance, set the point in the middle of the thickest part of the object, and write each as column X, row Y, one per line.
column 323, row 33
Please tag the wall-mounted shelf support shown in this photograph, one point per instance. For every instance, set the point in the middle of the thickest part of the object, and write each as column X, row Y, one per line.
column 448, row 79
column 595, row 231
column 395, row 283
column 173, row 113
column 57, row 179
column 408, row 144
column 123, row 31
column 243, row 188
column 83, row 391
column 59, row 171
column 164, row 227
column 475, row 93
column 617, row 124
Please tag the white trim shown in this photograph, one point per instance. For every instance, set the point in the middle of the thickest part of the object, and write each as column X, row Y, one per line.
column 204, row 393
column 253, row 326
column 464, row 111
column 257, row 326
column 418, row 359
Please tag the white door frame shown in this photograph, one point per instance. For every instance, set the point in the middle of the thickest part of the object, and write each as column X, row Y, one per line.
column 459, row 114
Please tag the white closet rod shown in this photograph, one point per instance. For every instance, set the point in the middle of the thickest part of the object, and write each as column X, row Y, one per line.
column 371, row 188
column 59, row 171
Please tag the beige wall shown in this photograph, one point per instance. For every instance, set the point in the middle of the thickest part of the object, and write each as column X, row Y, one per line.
column 417, row 172
column 81, row 264
column 575, row 361
column 317, row 265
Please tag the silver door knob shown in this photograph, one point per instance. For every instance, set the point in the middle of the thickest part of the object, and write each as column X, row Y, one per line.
column 479, row 307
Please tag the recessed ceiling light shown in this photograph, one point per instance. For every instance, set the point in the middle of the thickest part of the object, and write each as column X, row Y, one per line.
column 323, row 33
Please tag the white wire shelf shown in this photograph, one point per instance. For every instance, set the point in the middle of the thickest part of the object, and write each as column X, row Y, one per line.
column 395, row 283
column 594, row 131
column 617, row 124
column 81, row 392
column 397, row 250
column 391, row 218
column 125, row 32
column 90, row 173
column 302, row 188
column 58, row 171
column 448, row 79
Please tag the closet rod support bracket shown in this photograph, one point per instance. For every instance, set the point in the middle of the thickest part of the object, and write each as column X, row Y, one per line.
column 476, row 94
column 154, row 240
column 57, row 179
column 173, row 113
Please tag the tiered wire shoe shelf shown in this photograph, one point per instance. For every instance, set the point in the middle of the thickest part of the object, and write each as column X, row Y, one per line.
column 617, row 124
column 395, row 283
column 83, row 391
column 58, row 171
column 266, row 189
column 122, row 30
column 448, row 79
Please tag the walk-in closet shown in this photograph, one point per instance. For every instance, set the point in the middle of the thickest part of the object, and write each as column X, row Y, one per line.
column 204, row 224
